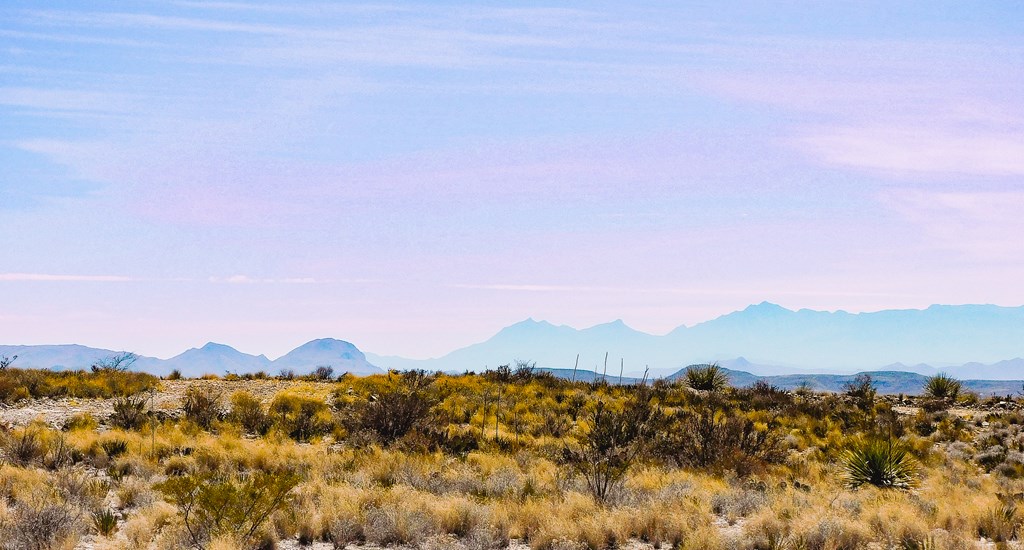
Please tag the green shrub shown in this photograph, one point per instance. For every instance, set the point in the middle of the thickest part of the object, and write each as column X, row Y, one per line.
column 882, row 463
column 714, row 436
column 615, row 441
column 247, row 412
column 301, row 417
column 391, row 414
column 80, row 421
column 212, row 505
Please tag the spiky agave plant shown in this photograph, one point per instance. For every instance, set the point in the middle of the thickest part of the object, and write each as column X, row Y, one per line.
column 105, row 522
column 942, row 386
column 706, row 377
column 884, row 463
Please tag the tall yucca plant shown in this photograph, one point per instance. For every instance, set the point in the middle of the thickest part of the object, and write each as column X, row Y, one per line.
column 884, row 463
column 942, row 386
column 706, row 377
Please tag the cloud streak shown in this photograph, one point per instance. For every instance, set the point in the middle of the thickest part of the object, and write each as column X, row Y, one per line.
column 49, row 277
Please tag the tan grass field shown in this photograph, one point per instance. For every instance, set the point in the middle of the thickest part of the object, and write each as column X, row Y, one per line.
column 505, row 459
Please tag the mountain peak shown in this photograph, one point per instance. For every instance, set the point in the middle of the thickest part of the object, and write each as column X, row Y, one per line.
column 614, row 326
column 528, row 324
column 214, row 346
column 326, row 343
column 766, row 308
column 338, row 354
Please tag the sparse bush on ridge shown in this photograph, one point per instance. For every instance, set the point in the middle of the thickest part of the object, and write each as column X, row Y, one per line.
column 322, row 373
column 18, row 384
column 862, row 390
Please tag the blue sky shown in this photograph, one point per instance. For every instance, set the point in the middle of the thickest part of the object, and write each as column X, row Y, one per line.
column 413, row 177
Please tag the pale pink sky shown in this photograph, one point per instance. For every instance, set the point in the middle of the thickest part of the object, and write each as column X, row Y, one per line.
column 414, row 177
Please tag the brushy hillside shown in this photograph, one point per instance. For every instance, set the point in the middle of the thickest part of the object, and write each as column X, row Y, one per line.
column 514, row 457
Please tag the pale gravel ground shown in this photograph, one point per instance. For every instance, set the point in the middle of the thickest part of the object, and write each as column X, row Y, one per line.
column 167, row 399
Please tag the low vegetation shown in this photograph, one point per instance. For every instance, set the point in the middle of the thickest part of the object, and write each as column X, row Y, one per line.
column 17, row 384
column 476, row 461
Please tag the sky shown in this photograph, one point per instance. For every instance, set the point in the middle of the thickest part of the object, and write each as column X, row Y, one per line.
column 412, row 177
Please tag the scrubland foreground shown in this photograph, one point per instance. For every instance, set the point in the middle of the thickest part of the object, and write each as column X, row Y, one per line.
column 511, row 456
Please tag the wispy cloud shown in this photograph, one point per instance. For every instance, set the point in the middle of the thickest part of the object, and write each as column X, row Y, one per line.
column 65, row 99
column 247, row 280
column 49, row 277
column 922, row 149
column 981, row 225
column 694, row 290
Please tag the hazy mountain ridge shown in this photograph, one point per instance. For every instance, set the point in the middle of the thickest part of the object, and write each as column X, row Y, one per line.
column 768, row 339
column 212, row 358
column 969, row 341
column 886, row 382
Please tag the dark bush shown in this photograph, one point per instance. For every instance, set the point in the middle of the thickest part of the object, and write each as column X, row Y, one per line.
column 393, row 413
column 41, row 527
column 301, row 417
column 248, row 412
column 763, row 396
column 615, row 440
column 24, row 447
column 202, row 406
column 712, row 436
column 129, row 413
column 862, row 390
column 323, row 373
column 114, row 447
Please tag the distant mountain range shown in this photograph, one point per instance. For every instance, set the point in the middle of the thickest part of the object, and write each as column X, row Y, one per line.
column 209, row 359
column 886, row 382
column 970, row 341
